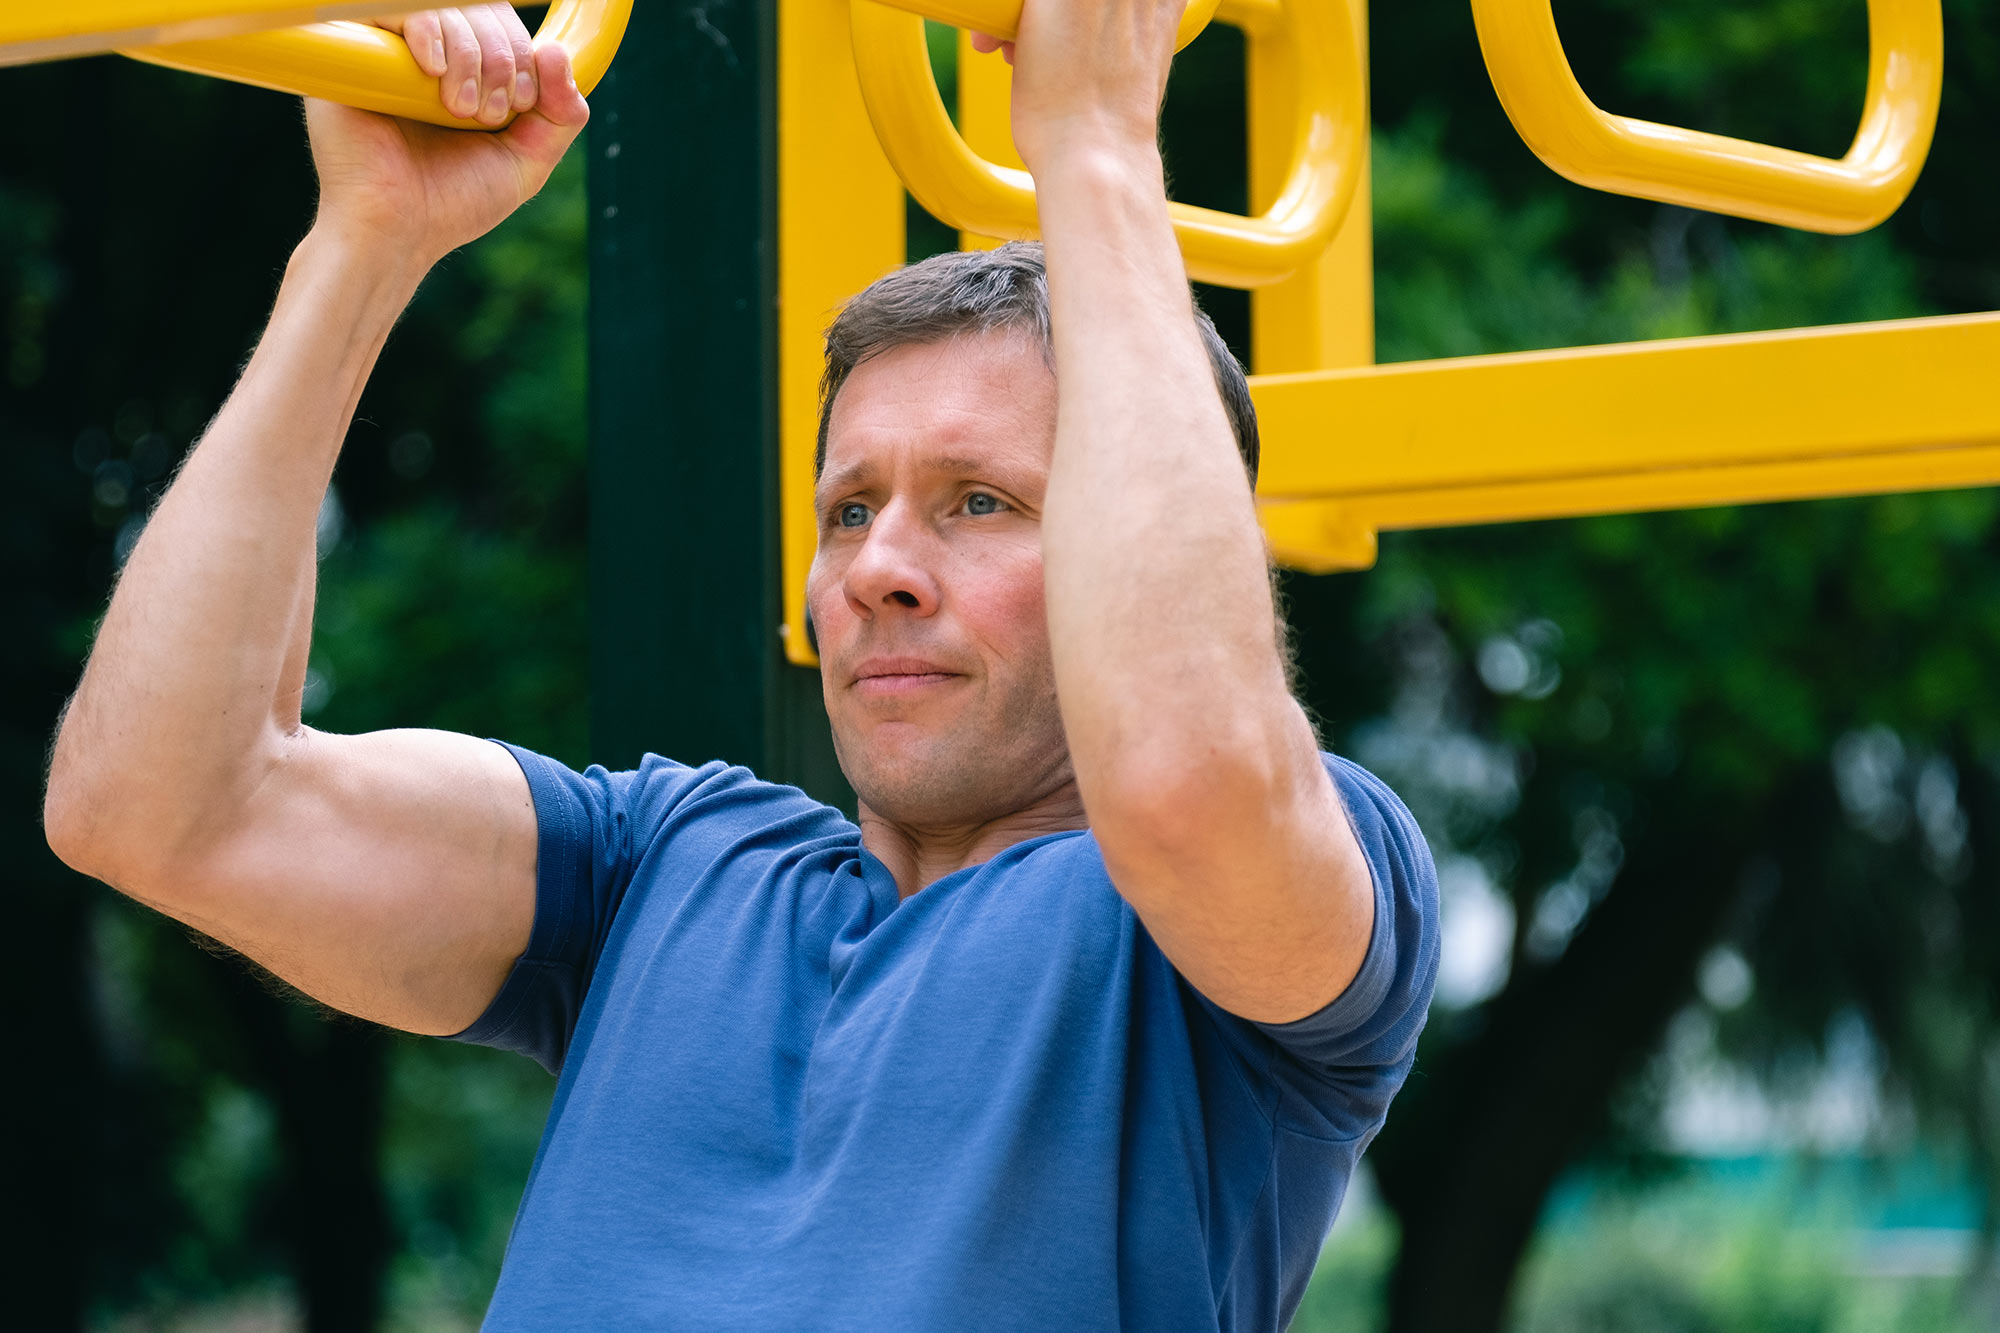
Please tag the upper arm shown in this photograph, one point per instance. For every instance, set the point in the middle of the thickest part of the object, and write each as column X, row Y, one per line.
column 1252, row 884
column 389, row 875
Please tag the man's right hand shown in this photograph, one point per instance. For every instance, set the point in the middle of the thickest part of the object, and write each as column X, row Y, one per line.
column 421, row 191
column 391, row 875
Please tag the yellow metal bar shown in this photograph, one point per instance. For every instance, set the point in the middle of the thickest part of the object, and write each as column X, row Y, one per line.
column 1842, row 410
column 1893, row 470
column 840, row 227
column 1565, row 129
column 366, row 67
column 975, row 195
column 985, row 118
column 59, row 28
column 1323, row 316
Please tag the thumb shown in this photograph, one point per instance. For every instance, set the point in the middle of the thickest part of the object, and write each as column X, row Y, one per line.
column 544, row 132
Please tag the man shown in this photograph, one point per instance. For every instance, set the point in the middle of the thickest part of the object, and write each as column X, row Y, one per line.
column 1087, row 1022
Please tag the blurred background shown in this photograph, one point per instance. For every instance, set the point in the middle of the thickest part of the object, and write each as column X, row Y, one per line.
column 1715, row 795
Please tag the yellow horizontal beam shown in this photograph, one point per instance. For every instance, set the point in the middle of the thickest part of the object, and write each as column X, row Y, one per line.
column 54, row 29
column 1323, row 536
column 1578, row 414
column 1748, row 483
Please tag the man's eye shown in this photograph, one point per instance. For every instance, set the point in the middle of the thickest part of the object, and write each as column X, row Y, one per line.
column 979, row 502
column 852, row 516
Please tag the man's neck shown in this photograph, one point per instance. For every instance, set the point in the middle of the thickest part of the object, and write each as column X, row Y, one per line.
column 919, row 857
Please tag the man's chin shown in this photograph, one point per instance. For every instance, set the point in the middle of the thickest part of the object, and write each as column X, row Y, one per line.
column 921, row 791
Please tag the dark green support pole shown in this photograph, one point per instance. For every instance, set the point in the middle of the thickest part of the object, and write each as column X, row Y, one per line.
column 685, row 658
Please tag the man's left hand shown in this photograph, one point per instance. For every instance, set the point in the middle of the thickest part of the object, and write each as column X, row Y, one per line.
column 1088, row 77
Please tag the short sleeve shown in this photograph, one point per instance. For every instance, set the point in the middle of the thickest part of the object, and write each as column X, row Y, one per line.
column 592, row 826
column 1341, row 1067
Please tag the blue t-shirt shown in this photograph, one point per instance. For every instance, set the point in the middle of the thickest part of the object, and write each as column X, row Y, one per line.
column 790, row 1100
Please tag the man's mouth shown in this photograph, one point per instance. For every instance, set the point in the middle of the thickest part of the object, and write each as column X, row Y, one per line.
column 891, row 677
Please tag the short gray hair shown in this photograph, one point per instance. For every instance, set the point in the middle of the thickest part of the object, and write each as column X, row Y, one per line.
column 980, row 291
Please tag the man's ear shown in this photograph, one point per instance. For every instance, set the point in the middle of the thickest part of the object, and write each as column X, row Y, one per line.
column 812, row 635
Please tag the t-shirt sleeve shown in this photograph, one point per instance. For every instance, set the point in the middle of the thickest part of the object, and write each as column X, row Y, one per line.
column 1347, row 1062
column 592, row 827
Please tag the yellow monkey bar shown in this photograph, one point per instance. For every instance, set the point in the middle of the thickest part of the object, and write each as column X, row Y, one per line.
column 964, row 189
column 1525, row 58
column 84, row 27
column 290, row 48
column 367, row 67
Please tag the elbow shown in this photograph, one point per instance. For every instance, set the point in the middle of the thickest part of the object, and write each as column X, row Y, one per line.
column 71, row 831
column 75, row 810
column 116, row 821
column 65, row 810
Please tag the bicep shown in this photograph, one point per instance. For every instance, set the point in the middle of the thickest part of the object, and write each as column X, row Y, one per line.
column 389, row 875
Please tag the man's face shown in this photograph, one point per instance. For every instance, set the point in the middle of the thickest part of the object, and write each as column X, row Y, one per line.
column 926, row 593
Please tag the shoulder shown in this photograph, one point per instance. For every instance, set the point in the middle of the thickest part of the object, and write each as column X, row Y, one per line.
column 636, row 808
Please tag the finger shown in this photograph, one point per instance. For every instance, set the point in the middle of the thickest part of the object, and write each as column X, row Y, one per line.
column 541, row 136
column 460, row 85
column 425, row 36
column 985, row 43
column 526, row 88
column 496, row 65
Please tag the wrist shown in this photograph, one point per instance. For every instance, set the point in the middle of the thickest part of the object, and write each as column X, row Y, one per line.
column 1092, row 197
column 1091, row 157
column 383, row 270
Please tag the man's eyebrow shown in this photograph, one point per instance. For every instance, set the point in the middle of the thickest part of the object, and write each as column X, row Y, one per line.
column 969, row 466
column 843, row 478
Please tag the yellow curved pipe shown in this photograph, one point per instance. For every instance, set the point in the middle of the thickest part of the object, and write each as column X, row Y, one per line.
column 1573, row 136
column 966, row 191
column 367, row 67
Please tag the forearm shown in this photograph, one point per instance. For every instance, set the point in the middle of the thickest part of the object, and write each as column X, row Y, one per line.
column 195, row 678
column 1158, row 592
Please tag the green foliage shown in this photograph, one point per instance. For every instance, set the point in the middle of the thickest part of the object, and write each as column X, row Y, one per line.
column 1683, row 1255
column 462, row 1128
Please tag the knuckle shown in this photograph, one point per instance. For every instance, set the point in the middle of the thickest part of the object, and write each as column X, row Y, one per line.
column 461, row 58
column 496, row 63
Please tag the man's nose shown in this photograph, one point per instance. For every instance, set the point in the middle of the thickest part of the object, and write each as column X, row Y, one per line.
column 894, row 569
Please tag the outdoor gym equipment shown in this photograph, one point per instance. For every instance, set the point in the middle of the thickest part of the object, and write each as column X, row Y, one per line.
column 961, row 187
column 83, row 27
column 1349, row 447
column 367, row 67
column 292, row 48
column 1524, row 57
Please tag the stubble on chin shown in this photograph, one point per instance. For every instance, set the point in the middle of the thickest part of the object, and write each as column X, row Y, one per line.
column 962, row 777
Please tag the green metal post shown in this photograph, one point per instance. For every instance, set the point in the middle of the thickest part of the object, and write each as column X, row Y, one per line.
column 685, row 655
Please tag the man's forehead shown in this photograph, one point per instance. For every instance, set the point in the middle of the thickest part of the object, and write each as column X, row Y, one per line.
column 974, row 406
